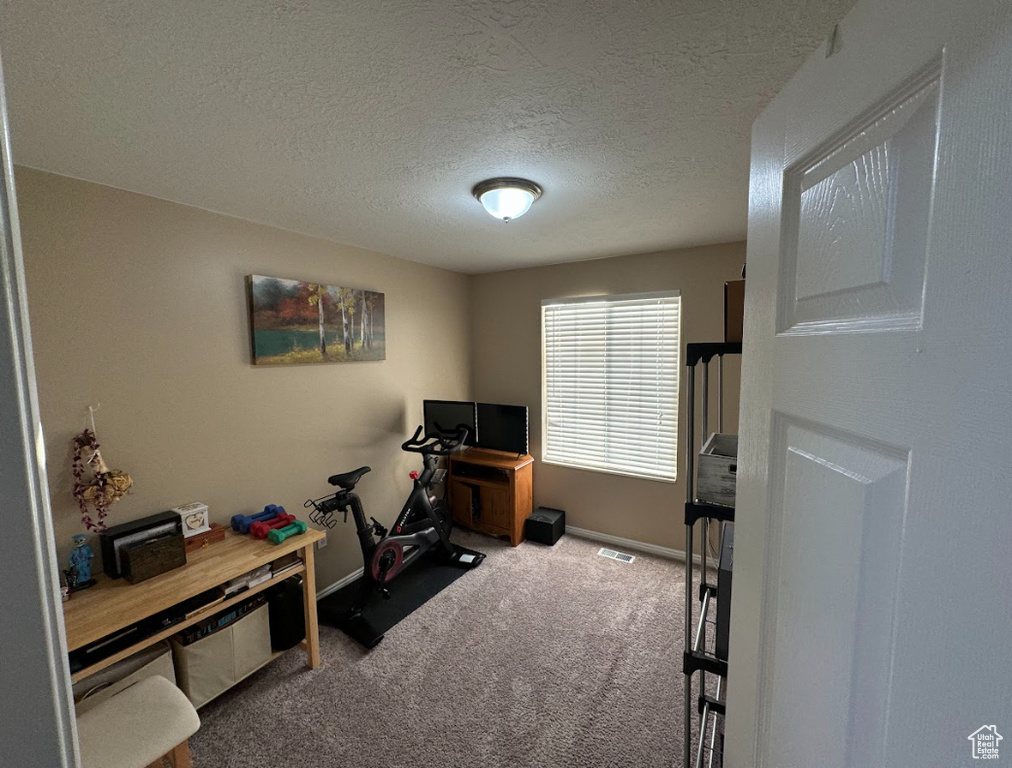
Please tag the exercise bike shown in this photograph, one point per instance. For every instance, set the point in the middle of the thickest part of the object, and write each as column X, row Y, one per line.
column 423, row 525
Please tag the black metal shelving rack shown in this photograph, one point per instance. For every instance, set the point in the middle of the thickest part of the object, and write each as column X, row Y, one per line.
column 696, row 658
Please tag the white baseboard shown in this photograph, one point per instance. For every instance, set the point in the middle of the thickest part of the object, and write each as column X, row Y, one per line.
column 339, row 583
column 639, row 546
column 583, row 533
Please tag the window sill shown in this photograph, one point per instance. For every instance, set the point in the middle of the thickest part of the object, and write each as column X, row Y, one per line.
column 603, row 471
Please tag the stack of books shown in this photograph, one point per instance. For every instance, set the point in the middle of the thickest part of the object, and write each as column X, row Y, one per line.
column 285, row 564
column 248, row 580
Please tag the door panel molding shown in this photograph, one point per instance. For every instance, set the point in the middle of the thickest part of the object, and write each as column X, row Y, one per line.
column 838, row 501
column 856, row 216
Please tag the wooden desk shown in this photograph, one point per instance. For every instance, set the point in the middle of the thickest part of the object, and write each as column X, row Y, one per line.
column 113, row 604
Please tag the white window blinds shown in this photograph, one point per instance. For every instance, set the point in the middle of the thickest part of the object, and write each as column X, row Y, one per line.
column 610, row 386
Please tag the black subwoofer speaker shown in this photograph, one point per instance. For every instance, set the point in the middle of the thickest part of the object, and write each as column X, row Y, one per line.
column 545, row 525
column 287, row 616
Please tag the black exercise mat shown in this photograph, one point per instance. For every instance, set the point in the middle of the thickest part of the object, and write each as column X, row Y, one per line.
column 413, row 588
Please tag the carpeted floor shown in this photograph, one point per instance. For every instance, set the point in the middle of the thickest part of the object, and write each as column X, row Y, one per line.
column 543, row 656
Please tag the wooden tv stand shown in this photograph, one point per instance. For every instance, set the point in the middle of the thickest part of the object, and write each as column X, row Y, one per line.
column 491, row 492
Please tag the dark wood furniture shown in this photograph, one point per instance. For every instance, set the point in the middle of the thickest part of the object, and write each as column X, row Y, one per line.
column 491, row 492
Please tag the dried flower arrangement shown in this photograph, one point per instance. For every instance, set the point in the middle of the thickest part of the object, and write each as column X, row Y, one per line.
column 106, row 486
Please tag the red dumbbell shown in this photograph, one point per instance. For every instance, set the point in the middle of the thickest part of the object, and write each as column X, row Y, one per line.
column 241, row 523
column 260, row 529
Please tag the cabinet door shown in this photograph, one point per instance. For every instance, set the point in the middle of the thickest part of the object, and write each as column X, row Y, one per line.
column 496, row 509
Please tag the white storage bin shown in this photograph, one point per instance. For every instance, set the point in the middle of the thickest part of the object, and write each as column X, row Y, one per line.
column 213, row 664
column 718, row 470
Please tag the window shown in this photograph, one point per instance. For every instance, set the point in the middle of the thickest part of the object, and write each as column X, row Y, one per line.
column 610, row 383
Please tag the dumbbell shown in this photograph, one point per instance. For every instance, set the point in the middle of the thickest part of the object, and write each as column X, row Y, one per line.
column 261, row 528
column 280, row 534
column 242, row 523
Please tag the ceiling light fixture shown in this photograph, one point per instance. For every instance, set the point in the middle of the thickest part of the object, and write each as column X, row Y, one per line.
column 505, row 197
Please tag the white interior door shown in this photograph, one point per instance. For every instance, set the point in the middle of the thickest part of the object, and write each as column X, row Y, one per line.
column 872, row 607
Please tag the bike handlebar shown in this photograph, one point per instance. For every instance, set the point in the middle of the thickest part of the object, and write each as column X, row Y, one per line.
column 440, row 444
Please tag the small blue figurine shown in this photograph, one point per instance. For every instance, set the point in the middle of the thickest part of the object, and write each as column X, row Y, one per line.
column 79, row 575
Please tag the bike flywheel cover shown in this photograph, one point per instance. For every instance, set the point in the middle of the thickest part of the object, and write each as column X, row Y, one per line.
column 393, row 547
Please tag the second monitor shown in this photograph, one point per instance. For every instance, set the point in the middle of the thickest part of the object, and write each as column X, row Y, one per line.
column 502, row 427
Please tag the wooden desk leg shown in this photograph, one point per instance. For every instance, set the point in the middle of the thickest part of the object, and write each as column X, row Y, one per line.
column 309, row 602
column 517, row 534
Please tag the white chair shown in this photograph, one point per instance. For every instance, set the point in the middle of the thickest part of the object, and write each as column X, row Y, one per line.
column 142, row 726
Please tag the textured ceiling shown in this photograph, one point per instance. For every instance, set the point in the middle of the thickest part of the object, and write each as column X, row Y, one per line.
column 368, row 123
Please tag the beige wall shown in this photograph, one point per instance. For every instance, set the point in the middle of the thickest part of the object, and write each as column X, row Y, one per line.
column 139, row 304
column 506, row 368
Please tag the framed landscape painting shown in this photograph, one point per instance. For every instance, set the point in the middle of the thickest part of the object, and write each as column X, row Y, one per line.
column 294, row 322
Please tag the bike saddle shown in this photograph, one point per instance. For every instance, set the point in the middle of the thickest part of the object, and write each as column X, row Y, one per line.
column 348, row 479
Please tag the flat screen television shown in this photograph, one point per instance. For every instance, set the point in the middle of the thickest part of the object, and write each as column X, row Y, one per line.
column 502, row 427
column 448, row 415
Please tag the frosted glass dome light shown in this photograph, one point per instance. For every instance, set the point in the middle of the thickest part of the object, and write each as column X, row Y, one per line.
column 507, row 198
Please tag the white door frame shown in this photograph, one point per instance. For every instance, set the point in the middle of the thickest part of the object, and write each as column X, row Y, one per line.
column 37, row 724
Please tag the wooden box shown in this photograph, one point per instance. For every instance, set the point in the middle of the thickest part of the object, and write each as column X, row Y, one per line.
column 194, row 518
column 734, row 310
column 718, row 470
column 151, row 557
column 125, row 534
column 212, row 535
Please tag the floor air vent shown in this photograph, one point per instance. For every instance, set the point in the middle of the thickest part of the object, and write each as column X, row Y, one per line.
column 620, row 556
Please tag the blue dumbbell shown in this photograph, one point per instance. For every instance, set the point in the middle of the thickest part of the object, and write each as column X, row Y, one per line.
column 241, row 523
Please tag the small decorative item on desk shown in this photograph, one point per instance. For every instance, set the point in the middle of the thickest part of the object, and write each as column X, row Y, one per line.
column 64, row 588
column 212, row 535
column 195, row 518
column 79, row 573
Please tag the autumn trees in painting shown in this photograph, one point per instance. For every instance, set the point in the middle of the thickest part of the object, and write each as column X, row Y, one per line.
column 296, row 322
